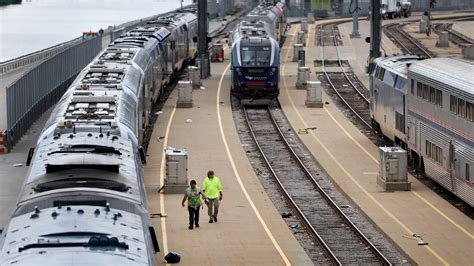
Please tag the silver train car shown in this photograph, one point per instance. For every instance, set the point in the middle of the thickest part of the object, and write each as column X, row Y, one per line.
column 427, row 107
column 83, row 200
column 273, row 14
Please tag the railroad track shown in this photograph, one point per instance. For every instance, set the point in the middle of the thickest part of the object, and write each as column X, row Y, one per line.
column 345, row 86
column 454, row 36
column 343, row 242
column 407, row 43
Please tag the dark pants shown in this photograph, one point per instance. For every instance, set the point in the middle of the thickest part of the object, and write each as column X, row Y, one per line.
column 193, row 215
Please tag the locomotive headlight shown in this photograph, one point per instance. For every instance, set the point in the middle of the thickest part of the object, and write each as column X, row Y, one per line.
column 272, row 71
column 238, row 70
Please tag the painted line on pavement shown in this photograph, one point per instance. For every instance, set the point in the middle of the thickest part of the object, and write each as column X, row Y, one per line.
column 162, row 179
column 239, row 180
column 331, row 155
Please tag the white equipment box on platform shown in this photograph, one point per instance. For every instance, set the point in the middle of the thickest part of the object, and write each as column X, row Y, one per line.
column 176, row 180
column 393, row 169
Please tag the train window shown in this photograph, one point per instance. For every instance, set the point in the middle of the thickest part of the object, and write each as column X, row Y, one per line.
column 426, row 92
column 389, row 78
column 412, row 87
column 461, row 108
column 419, row 89
column 470, row 111
column 371, row 68
column 439, row 98
column 263, row 57
column 381, row 73
column 439, row 155
column 400, row 83
column 255, row 56
column 468, row 172
column 432, row 95
column 434, row 152
column 453, row 104
column 399, row 122
column 428, row 148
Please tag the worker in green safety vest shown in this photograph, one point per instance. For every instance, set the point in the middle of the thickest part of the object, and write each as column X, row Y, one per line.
column 192, row 194
column 212, row 190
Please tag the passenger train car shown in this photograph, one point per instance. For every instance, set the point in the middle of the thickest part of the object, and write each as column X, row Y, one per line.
column 256, row 53
column 83, row 201
column 427, row 106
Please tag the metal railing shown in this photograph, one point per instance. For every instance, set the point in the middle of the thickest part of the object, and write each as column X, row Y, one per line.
column 34, row 57
column 41, row 87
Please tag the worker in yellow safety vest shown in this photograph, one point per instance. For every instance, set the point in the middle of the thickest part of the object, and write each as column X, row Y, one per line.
column 212, row 190
column 193, row 194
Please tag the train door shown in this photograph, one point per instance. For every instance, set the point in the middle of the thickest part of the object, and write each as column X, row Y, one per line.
column 157, row 76
column 452, row 165
column 141, row 109
column 186, row 42
column 147, row 97
column 164, row 62
column 412, row 133
column 170, row 56
column 174, row 55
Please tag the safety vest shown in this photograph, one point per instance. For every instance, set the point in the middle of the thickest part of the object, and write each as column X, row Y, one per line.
column 212, row 187
column 193, row 195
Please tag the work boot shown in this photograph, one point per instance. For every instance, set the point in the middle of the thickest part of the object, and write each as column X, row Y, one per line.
column 215, row 219
column 197, row 225
column 190, row 227
column 211, row 220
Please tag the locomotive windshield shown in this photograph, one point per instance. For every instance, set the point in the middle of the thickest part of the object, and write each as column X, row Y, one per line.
column 256, row 56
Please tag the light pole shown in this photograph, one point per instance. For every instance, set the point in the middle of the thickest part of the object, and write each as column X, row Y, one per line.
column 355, row 18
column 203, row 53
column 375, row 29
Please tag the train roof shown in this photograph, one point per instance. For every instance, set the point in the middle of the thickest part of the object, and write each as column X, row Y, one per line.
column 254, row 30
column 88, row 161
column 174, row 20
column 457, row 73
column 103, row 96
column 397, row 64
column 68, row 235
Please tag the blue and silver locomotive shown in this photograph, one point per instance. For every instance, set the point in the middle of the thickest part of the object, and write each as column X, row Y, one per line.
column 256, row 52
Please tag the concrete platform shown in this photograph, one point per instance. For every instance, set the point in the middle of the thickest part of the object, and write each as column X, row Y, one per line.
column 430, row 42
column 250, row 231
column 12, row 174
column 465, row 28
column 393, row 186
column 352, row 161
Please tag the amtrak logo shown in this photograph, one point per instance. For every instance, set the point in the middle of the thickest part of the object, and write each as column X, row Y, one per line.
column 255, row 78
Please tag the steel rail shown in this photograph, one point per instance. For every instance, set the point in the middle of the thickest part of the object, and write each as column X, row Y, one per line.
column 389, row 30
column 322, row 192
column 303, row 217
column 454, row 36
column 334, row 87
column 342, row 68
